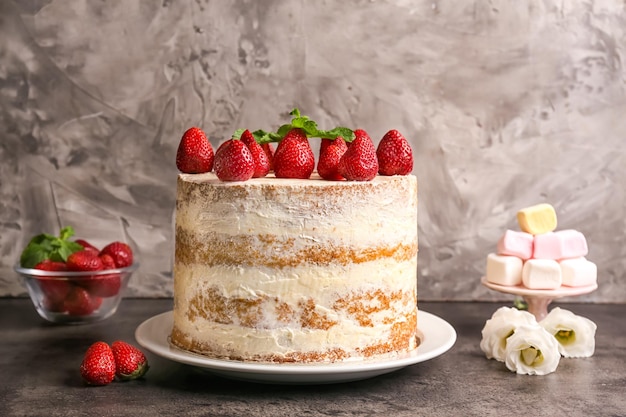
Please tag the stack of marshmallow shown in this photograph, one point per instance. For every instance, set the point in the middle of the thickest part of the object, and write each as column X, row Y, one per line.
column 538, row 257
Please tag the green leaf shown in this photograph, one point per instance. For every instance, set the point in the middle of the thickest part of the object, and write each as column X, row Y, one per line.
column 66, row 233
column 520, row 304
column 31, row 256
column 45, row 246
column 262, row 137
column 284, row 129
column 302, row 122
column 344, row 132
column 66, row 249
column 310, row 128
column 299, row 122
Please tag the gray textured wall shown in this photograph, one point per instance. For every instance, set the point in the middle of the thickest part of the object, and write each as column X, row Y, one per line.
column 507, row 104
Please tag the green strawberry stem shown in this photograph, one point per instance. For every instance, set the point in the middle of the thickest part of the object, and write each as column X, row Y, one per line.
column 302, row 122
column 141, row 370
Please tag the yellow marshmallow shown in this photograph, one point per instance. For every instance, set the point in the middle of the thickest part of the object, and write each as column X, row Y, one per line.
column 537, row 219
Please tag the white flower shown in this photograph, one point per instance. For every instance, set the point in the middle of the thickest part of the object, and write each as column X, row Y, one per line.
column 575, row 334
column 499, row 327
column 532, row 350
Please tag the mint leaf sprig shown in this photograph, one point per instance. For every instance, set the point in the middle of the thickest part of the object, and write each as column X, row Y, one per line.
column 46, row 246
column 299, row 121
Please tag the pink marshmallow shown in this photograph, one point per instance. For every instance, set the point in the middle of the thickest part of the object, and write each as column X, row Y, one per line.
column 564, row 244
column 514, row 243
column 573, row 243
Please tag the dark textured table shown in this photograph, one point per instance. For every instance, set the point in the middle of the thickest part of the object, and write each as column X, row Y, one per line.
column 40, row 376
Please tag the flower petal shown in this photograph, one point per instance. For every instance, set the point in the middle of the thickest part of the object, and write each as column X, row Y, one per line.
column 499, row 327
column 532, row 350
column 575, row 334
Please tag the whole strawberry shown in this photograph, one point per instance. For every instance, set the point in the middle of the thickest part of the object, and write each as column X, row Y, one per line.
column 130, row 362
column 325, row 143
column 54, row 289
column 395, row 156
column 107, row 261
column 331, row 152
column 195, row 153
column 107, row 285
column 359, row 162
column 49, row 265
column 98, row 366
column 96, row 286
column 84, row 260
column 79, row 302
column 294, row 157
column 261, row 160
column 121, row 253
column 269, row 151
column 234, row 161
column 87, row 246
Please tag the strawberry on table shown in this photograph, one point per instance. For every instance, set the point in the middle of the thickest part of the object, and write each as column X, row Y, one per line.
column 195, row 153
column 261, row 160
column 331, row 152
column 359, row 162
column 121, row 253
column 294, row 157
column 130, row 362
column 234, row 161
column 395, row 156
column 98, row 365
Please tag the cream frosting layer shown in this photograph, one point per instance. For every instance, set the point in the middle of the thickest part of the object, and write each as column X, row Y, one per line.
column 271, row 336
column 360, row 213
column 292, row 283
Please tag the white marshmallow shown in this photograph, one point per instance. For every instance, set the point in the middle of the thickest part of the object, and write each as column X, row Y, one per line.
column 542, row 274
column 578, row 272
column 504, row 270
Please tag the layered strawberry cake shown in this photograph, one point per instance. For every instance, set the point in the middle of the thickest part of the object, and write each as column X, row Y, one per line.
column 277, row 263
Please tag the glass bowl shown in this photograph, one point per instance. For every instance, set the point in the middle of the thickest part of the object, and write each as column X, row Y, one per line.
column 76, row 297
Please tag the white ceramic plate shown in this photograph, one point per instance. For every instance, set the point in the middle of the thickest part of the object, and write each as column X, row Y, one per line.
column 437, row 336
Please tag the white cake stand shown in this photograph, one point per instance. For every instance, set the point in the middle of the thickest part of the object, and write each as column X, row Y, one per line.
column 539, row 300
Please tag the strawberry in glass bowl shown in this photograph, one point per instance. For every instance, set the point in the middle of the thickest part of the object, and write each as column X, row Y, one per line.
column 72, row 281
